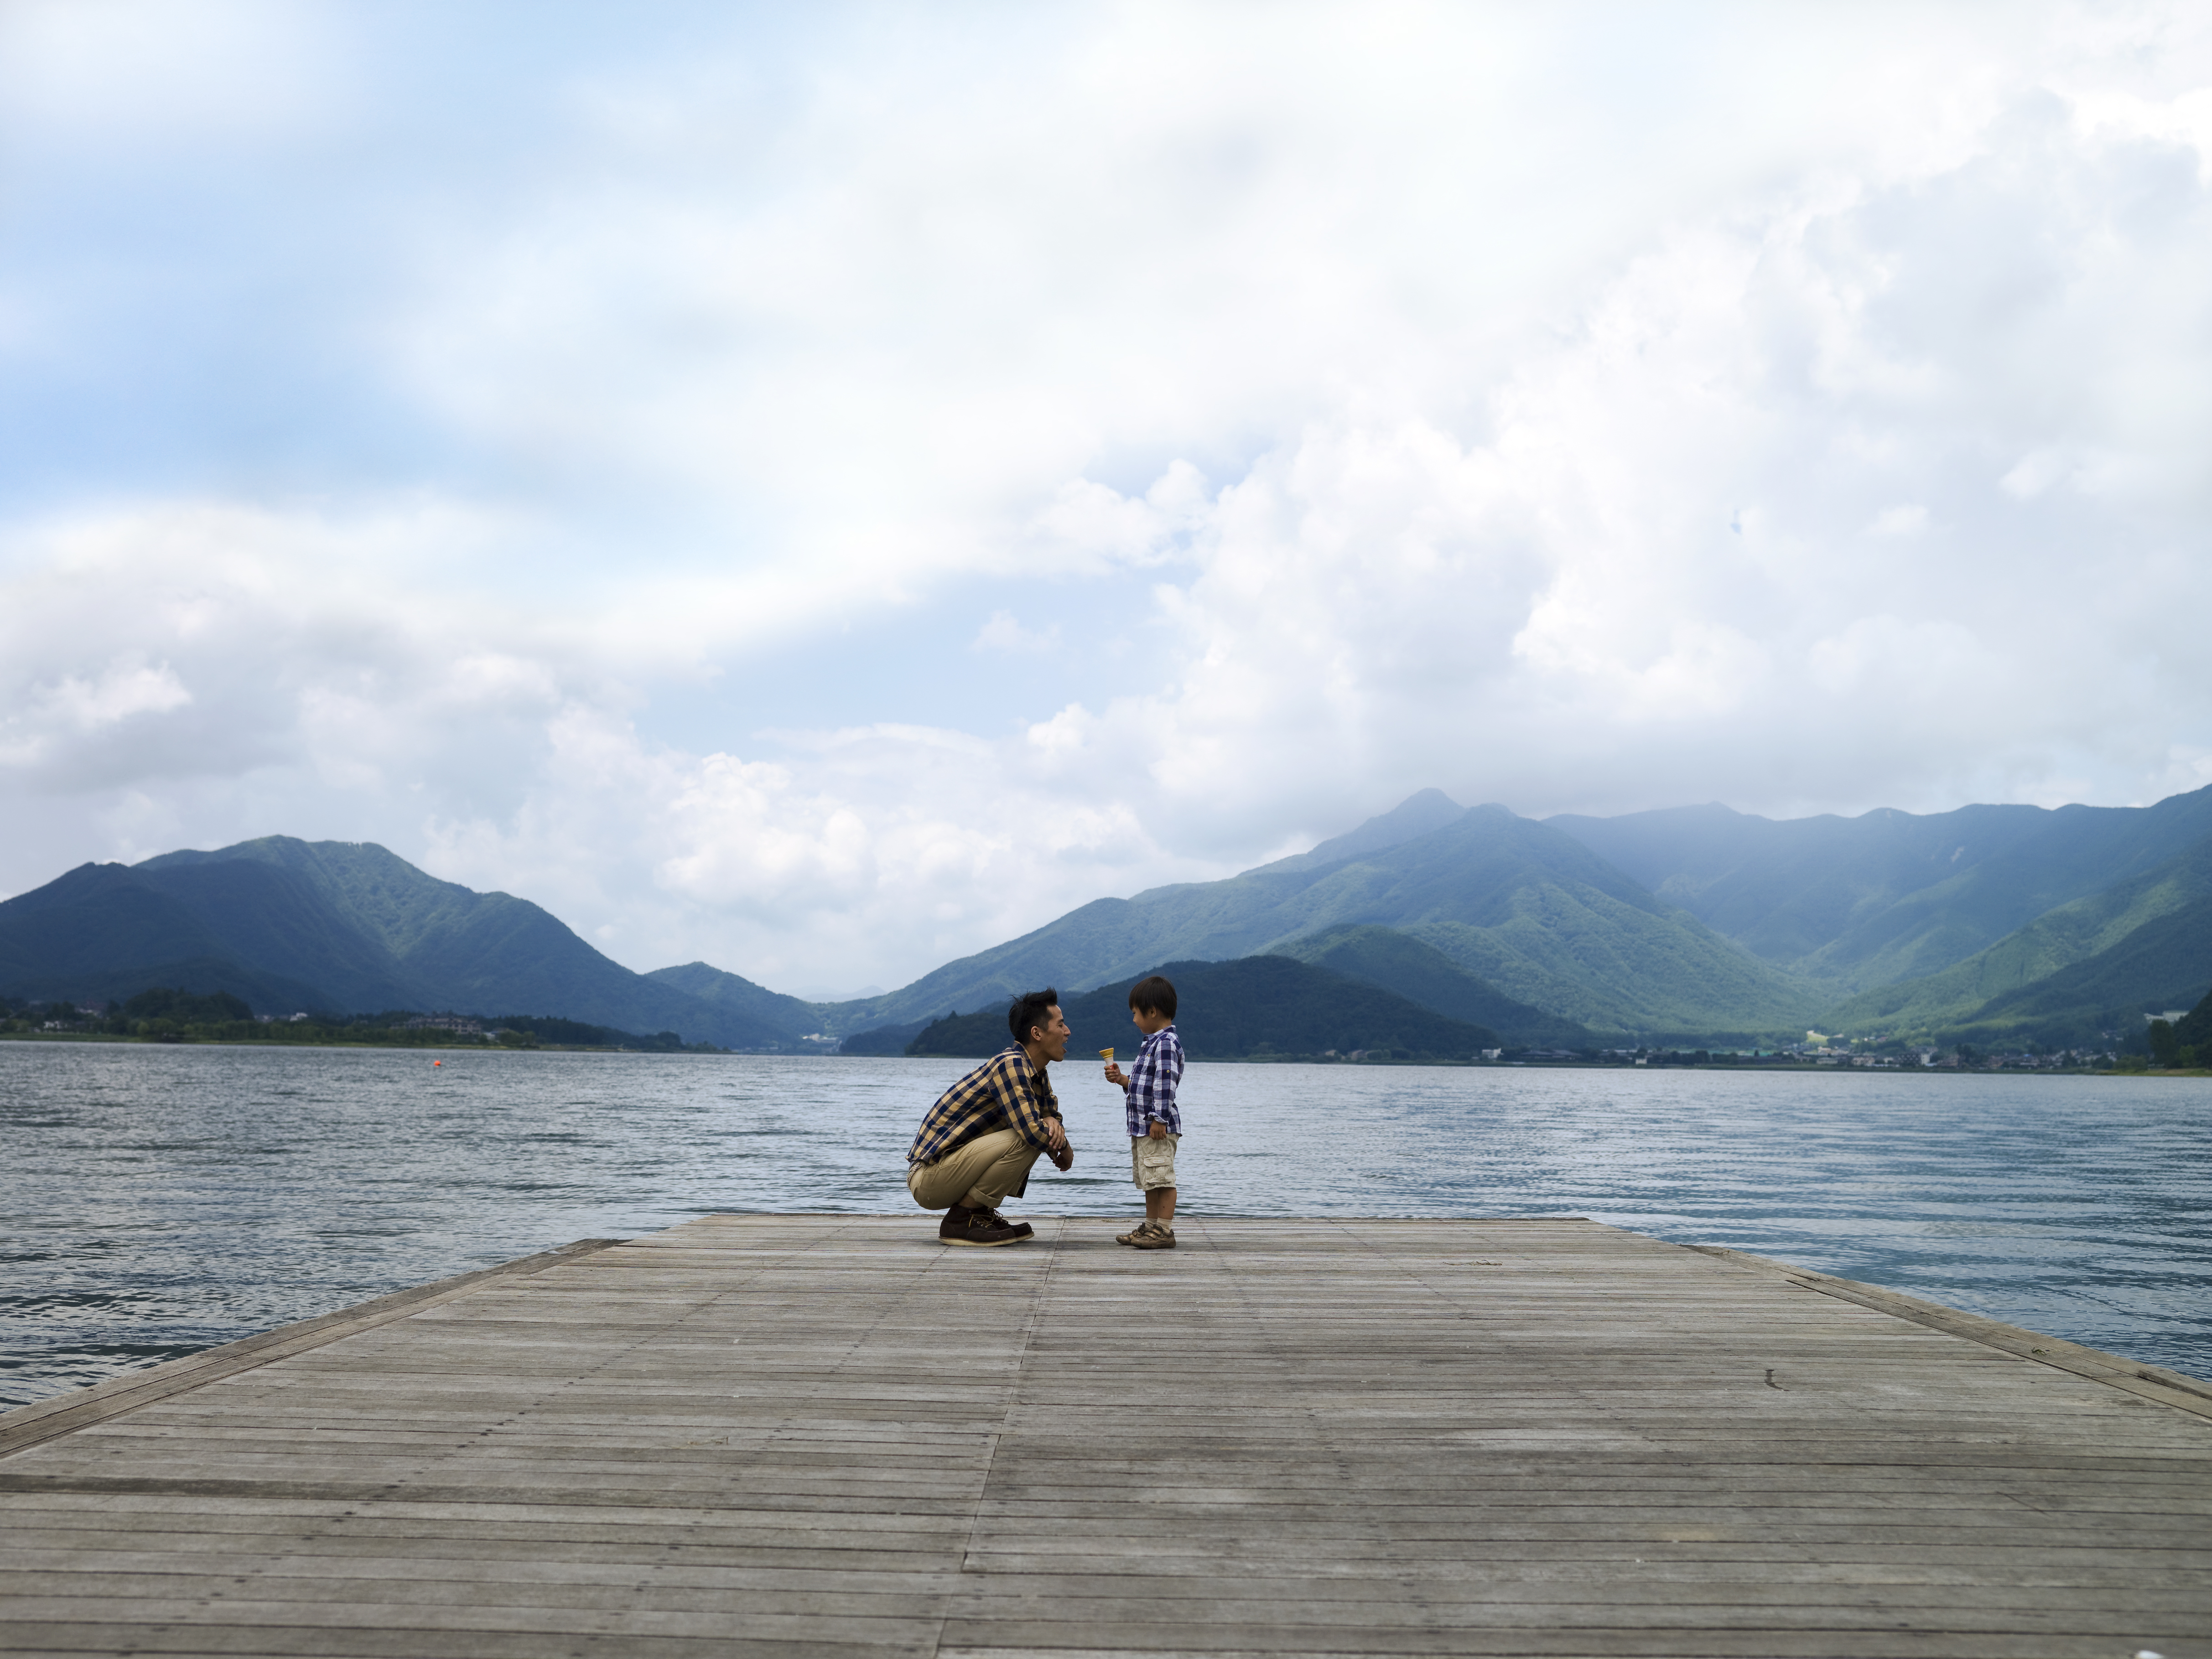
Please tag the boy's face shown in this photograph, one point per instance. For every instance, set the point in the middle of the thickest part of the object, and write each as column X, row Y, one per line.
column 1149, row 1022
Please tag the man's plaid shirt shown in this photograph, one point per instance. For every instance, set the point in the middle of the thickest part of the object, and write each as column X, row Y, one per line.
column 1152, row 1078
column 1005, row 1092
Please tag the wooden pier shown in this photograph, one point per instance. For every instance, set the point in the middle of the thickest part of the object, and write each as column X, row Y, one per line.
column 827, row 1435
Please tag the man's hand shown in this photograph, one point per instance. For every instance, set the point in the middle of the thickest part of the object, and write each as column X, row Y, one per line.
column 1157, row 1130
column 1116, row 1075
column 1055, row 1136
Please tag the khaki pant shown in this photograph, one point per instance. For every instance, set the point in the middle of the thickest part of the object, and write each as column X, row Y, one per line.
column 978, row 1175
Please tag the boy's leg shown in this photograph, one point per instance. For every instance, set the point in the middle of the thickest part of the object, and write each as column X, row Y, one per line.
column 1154, row 1167
column 1137, row 1179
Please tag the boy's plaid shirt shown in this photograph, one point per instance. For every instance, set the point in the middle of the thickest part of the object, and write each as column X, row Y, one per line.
column 1005, row 1092
column 1152, row 1078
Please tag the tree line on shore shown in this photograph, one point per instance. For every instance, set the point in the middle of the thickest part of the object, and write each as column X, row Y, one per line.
column 175, row 1014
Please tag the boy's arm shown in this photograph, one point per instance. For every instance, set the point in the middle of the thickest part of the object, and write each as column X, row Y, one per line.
column 1145, row 1086
column 1159, row 1098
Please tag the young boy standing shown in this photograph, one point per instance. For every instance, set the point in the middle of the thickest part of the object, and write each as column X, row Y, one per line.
column 1155, row 1126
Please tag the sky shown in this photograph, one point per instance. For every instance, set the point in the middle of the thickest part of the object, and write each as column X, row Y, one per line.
column 824, row 490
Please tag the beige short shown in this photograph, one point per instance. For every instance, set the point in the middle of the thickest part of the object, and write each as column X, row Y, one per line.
column 1151, row 1163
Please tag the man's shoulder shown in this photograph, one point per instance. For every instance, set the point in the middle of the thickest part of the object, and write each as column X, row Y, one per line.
column 1006, row 1059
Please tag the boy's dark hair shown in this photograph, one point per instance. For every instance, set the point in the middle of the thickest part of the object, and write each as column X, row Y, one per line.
column 1152, row 996
column 1029, row 1010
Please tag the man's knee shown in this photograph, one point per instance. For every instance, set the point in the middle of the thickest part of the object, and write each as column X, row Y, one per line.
column 983, row 1161
column 1008, row 1173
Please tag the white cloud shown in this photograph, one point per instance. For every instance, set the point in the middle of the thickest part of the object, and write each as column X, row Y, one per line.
column 870, row 850
column 114, row 72
column 1556, row 617
column 1800, row 407
column 1004, row 632
column 126, row 688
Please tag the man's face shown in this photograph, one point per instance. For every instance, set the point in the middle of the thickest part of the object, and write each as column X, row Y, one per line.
column 1051, row 1037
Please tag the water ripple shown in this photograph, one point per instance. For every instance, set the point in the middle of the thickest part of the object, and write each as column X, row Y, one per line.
column 161, row 1200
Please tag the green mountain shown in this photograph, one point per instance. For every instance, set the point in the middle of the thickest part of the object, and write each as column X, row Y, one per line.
column 1411, row 818
column 340, row 926
column 104, row 932
column 1420, row 973
column 2145, row 942
column 794, row 1020
column 2163, row 965
column 2195, row 1027
column 1516, row 903
column 1696, row 924
column 1255, row 1007
column 1888, row 896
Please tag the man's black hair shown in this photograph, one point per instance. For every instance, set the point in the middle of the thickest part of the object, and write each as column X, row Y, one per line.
column 1029, row 1010
column 1152, row 996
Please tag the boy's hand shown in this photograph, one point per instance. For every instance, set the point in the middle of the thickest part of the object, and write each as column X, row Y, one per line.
column 1114, row 1074
column 1157, row 1130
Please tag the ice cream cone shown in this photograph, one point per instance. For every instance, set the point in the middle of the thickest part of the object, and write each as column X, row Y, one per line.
column 1106, row 1054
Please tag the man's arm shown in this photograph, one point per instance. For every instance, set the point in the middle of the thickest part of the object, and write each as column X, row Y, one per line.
column 1017, row 1094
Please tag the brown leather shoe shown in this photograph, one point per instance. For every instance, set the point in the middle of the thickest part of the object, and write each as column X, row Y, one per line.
column 1153, row 1236
column 981, row 1228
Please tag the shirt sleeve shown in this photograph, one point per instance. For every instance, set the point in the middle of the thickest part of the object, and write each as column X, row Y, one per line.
column 1152, row 1081
column 1026, row 1104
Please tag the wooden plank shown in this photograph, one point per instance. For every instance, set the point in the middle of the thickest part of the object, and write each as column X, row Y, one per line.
column 827, row 1435
column 44, row 1420
column 2168, row 1388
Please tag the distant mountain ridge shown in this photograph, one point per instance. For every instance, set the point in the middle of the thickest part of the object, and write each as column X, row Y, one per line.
column 1400, row 963
column 1529, row 911
column 2071, row 972
column 342, row 927
column 1887, row 895
column 1998, row 923
column 769, row 1010
column 1417, row 815
column 1252, row 1007
column 1695, row 924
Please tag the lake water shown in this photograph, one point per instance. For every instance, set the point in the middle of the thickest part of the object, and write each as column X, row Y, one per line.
column 159, row 1201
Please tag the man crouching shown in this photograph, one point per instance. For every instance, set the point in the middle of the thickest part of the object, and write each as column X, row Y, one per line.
column 975, row 1145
